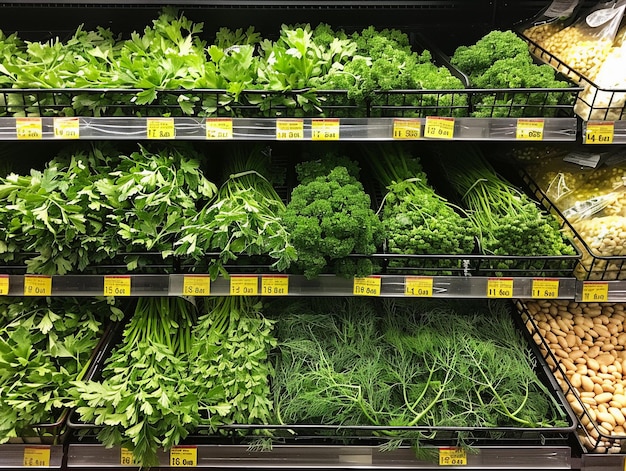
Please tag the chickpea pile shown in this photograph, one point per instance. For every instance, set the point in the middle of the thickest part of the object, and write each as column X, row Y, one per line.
column 589, row 342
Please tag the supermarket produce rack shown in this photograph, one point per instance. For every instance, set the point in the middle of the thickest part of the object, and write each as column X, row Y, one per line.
column 377, row 123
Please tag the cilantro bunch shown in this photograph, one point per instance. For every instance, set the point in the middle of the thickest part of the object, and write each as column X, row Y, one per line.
column 329, row 217
column 44, row 345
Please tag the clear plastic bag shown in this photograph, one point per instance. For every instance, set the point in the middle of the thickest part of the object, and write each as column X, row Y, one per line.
column 550, row 20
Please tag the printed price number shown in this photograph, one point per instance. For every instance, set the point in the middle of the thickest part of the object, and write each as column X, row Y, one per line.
column 127, row 458
column 275, row 285
column 367, row 286
column 66, row 128
column 545, row 289
column 219, row 128
column 184, row 457
column 161, row 128
column 595, row 291
column 117, row 285
column 196, row 285
column 36, row 456
column 37, row 285
column 244, row 285
column 500, row 288
column 4, row 285
column 529, row 129
column 28, row 128
column 599, row 132
column 288, row 129
column 439, row 128
column 452, row 457
column 418, row 286
column 325, row 129
column 407, row 129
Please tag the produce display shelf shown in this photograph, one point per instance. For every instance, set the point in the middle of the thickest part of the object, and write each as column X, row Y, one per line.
column 595, row 462
column 344, row 457
column 291, row 129
column 27, row 456
column 273, row 284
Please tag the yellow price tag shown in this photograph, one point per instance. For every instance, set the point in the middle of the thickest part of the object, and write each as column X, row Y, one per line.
column 66, row 128
column 160, row 128
column 595, row 291
column 196, row 285
column 287, row 129
column 4, row 285
column 500, row 288
column 117, row 285
column 367, row 286
column 37, row 285
column 325, row 129
column 184, row 457
column 529, row 129
column 219, row 128
column 452, row 457
column 599, row 132
column 439, row 128
column 545, row 288
column 275, row 285
column 407, row 129
column 418, row 286
column 127, row 458
column 28, row 128
column 36, row 456
column 244, row 285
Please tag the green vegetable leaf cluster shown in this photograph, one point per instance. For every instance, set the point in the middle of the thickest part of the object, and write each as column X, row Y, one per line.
column 329, row 218
column 428, row 363
column 501, row 59
column 44, row 345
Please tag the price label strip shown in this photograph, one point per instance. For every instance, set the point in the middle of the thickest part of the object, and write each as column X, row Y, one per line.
column 325, row 129
column 439, row 128
column 599, row 132
column 160, row 128
column 184, row 457
column 367, row 286
column 544, row 288
column 37, row 285
column 196, row 285
column 500, row 288
column 127, row 458
column 275, row 285
column 407, row 129
column 66, row 128
column 418, row 286
column 36, row 456
column 4, row 285
column 452, row 457
column 219, row 128
column 242, row 285
column 595, row 291
column 529, row 129
column 289, row 129
column 117, row 285
column 28, row 128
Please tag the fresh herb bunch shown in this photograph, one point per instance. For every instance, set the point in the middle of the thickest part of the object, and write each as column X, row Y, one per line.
column 244, row 218
column 501, row 59
column 230, row 364
column 150, row 196
column 145, row 400
column 508, row 221
column 329, row 218
column 416, row 219
column 429, row 363
column 54, row 218
column 44, row 345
